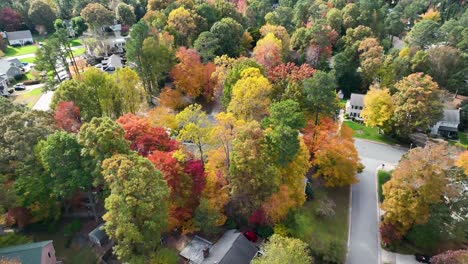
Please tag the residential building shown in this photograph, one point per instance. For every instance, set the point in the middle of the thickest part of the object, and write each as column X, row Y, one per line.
column 32, row 253
column 23, row 37
column 232, row 248
column 10, row 69
column 98, row 236
column 354, row 106
column 448, row 126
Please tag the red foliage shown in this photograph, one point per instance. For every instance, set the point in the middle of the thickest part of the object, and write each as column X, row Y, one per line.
column 258, row 217
column 194, row 168
column 451, row 257
column 67, row 117
column 19, row 216
column 169, row 167
column 389, row 233
column 315, row 136
column 143, row 137
column 10, row 20
column 290, row 72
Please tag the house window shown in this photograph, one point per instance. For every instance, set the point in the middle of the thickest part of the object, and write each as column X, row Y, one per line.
column 360, row 108
column 48, row 253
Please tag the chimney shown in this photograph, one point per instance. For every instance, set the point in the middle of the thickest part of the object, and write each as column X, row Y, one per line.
column 206, row 252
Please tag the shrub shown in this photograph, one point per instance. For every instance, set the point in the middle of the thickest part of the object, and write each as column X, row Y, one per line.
column 389, row 233
column 12, row 239
column 425, row 236
column 328, row 251
column 281, row 230
column 383, row 177
column 325, row 207
column 264, row 231
column 71, row 228
column 451, row 257
column 360, row 167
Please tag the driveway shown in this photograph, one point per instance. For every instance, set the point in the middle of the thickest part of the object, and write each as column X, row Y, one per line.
column 43, row 104
column 363, row 241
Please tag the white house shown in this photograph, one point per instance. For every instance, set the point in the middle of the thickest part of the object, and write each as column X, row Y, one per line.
column 10, row 68
column 354, row 106
column 23, row 37
column 448, row 126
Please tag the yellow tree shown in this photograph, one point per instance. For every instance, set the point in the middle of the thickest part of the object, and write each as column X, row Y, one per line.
column 223, row 132
column 131, row 91
column 183, row 23
column 378, row 108
column 280, row 33
column 420, row 180
column 162, row 117
column 250, row 95
column 462, row 161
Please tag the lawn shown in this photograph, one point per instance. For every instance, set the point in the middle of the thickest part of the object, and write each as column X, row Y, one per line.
column 16, row 51
column 325, row 235
column 79, row 52
column 75, row 42
column 29, row 98
column 29, row 60
column 369, row 133
column 383, row 177
column 463, row 138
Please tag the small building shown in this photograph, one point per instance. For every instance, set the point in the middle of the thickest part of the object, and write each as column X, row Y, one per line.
column 23, row 37
column 448, row 126
column 114, row 61
column 354, row 106
column 10, row 69
column 98, row 236
column 232, row 248
column 39, row 252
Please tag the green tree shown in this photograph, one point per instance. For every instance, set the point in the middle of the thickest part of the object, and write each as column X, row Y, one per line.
column 41, row 14
column 281, row 249
column 335, row 19
column 137, row 210
column 96, row 15
column 79, row 25
column 320, row 94
column 125, row 14
column 393, row 23
column 423, row 34
column 130, row 90
column 207, row 45
column 230, row 33
column 417, row 104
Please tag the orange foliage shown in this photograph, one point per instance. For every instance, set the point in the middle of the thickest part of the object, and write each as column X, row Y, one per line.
column 277, row 206
column 315, row 136
column 171, row 98
column 462, row 161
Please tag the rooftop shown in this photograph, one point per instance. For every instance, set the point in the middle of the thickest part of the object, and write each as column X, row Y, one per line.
column 23, row 34
column 232, row 248
column 357, row 99
column 26, row 253
column 193, row 251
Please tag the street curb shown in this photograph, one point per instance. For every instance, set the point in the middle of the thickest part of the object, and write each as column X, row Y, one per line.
column 349, row 219
column 379, row 247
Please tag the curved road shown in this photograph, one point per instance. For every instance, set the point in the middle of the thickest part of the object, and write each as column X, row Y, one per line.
column 363, row 240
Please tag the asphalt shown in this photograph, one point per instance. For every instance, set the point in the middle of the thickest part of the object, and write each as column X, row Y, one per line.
column 363, row 241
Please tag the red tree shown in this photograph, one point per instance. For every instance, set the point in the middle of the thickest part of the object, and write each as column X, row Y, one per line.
column 10, row 20
column 315, row 136
column 67, row 117
column 194, row 168
column 19, row 216
column 258, row 217
column 143, row 137
column 389, row 233
column 290, row 72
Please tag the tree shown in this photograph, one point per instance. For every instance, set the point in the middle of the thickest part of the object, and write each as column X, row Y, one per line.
column 132, row 94
column 135, row 222
column 420, row 180
column 101, row 138
column 223, row 133
column 171, row 98
column 320, row 94
column 183, row 23
column 79, row 25
column 462, row 161
column 317, row 135
column 268, row 51
column 335, row 19
column 393, row 23
column 280, row 249
column 250, row 95
column 281, row 34
column 67, row 117
column 125, row 14
column 230, row 33
column 423, row 34
column 451, row 257
column 287, row 76
column 194, row 126
column 96, row 15
column 207, row 45
column 447, row 66
column 371, row 57
column 10, row 20
column 417, row 104
column 41, row 14
column 162, row 117
column 59, row 24
column 351, row 14
column 47, row 57
column 143, row 137
column 378, row 108
column 337, row 160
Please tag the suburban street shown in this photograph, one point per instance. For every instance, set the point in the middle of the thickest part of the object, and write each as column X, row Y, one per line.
column 364, row 247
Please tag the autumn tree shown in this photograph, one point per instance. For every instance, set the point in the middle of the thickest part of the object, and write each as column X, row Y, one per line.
column 287, row 81
column 320, row 95
column 67, row 117
column 230, row 33
column 194, row 126
column 447, row 67
column 10, row 20
column 125, row 14
column 250, row 95
column 451, row 257
column 223, row 133
column 134, row 222
column 130, row 90
column 420, row 181
column 281, row 34
column 267, row 52
column 183, row 23
column 82, row 97
column 371, row 57
column 96, row 15
column 234, row 70
column 143, row 137
column 281, row 249
column 317, row 135
column 462, row 161
column 417, row 104
column 162, row 117
column 378, row 108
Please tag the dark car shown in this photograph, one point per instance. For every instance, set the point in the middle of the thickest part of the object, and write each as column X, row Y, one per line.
column 19, row 87
column 422, row 258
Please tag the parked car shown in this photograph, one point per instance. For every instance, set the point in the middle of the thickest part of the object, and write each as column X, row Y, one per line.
column 19, row 87
column 422, row 258
column 109, row 69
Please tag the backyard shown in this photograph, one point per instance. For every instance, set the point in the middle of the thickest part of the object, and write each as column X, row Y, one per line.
column 17, row 51
column 369, row 133
column 29, row 98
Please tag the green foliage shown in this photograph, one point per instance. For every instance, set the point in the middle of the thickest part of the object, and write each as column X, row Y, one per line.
column 234, row 75
column 424, row 33
column 281, row 249
column 13, row 239
column 125, row 14
column 70, row 229
column 382, row 178
column 264, row 231
column 207, row 45
column 165, row 256
column 230, row 33
column 40, row 13
column 79, row 25
column 320, row 94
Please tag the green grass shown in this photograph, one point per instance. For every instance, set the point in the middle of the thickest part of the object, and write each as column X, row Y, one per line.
column 29, row 98
column 16, row 51
column 463, row 138
column 29, row 60
column 75, row 42
column 382, row 177
column 79, row 52
column 317, row 231
column 369, row 133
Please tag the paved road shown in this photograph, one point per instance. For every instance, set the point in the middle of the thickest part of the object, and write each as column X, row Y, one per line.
column 43, row 103
column 363, row 247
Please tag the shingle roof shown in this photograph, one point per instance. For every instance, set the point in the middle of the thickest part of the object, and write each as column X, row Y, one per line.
column 5, row 66
column 26, row 253
column 231, row 248
column 24, row 34
column 193, row 251
column 451, row 116
column 357, row 99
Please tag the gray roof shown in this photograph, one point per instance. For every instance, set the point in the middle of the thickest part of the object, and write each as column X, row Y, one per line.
column 99, row 233
column 5, row 66
column 114, row 61
column 357, row 99
column 16, row 62
column 26, row 253
column 193, row 251
column 15, row 35
column 451, row 116
column 231, row 248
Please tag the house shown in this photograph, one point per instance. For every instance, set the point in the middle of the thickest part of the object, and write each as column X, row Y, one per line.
column 10, row 69
column 354, row 106
column 3, row 85
column 232, row 248
column 39, row 252
column 98, row 236
column 448, row 126
column 23, row 37
column 114, row 61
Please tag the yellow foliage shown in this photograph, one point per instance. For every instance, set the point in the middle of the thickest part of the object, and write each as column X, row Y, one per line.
column 431, row 14
column 378, row 107
column 404, row 52
column 162, row 117
column 462, row 162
